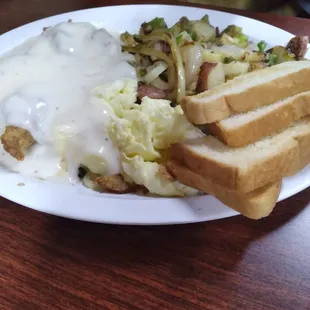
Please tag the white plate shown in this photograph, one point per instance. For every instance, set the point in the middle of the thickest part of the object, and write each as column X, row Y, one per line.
column 80, row 203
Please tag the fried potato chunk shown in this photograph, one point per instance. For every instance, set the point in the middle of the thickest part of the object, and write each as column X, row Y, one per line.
column 16, row 141
column 114, row 184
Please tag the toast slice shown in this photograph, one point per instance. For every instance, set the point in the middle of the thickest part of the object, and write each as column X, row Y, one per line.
column 248, row 92
column 251, row 167
column 254, row 205
column 243, row 129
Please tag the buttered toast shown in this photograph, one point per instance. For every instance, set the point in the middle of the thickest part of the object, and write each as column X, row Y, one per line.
column 255, row 205
column 253, row 166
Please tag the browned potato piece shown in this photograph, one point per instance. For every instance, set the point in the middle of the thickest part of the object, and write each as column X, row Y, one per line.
column 114, row 184
column 205, row 69
column 16, row 140
column 210, row 76
column 298, row 46
column 235, row 68
column 257, row 66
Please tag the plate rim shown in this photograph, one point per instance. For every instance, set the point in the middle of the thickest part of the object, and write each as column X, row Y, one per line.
column 224, row 214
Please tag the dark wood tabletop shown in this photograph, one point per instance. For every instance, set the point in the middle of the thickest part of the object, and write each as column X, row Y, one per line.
column 48, row 262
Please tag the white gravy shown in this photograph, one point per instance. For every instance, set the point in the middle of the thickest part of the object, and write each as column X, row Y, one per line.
column 44, row 87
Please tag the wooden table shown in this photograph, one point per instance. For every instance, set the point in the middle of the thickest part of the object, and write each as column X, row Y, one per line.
column 53, row 263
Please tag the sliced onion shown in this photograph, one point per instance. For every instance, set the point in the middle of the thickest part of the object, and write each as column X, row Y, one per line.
column 155, row 71
column 157, row 46
column 181, row 82
column 192, row 59
column 176, row 74
column 140, row 49
column 161, row 35
column 160, row 84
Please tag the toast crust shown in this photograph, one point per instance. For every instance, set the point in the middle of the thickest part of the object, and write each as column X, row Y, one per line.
column 303, row 158
column 276, row 120
column 202, row 109
column 254, row 205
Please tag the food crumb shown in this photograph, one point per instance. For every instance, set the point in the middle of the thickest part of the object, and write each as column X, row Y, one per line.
column 20, row 184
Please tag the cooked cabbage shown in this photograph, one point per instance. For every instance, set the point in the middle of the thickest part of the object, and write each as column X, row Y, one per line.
column 143, row 132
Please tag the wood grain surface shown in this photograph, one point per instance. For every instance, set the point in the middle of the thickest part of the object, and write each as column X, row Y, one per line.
column 53, row 263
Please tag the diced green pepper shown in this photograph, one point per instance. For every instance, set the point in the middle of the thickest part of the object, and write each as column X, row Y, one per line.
column 206, row 18
column 157, row 23
column 183, row 37
column 228, row 60
column 243, row 39
column 262, row 46
column 272, row 59
column 233, row 30
column 233, row 35
column 193, row 35
column 179, row 38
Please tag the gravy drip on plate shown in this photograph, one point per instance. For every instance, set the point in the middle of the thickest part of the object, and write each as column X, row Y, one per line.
column 44, row 87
